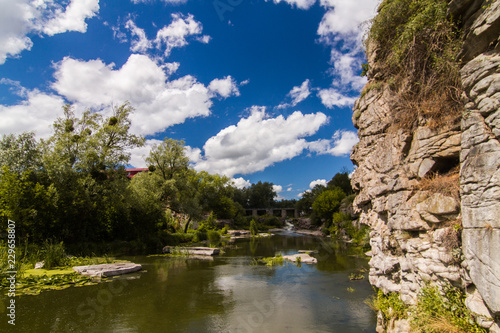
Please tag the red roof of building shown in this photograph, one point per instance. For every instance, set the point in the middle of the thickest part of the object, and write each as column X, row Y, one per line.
column 134, row 171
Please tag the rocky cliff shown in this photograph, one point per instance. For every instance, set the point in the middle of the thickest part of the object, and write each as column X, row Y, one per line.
column 431, row 195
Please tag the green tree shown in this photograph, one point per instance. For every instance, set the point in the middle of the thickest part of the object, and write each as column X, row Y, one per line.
column 168, row 158
column 180, row 184
column 147, row 209
column 20, row 153
column 261, row 195
column 83, row 161
column 305, row 204
column 91, row 143
column 29, row 203
column 341, row 180
column 327, row 203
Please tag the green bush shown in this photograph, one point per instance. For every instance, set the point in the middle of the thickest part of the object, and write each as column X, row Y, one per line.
column 253, row 228
column 213, row 237
column 210, row 223
column 390, row 305
column 443, row 311
column 200, row 236
column 54, row 255
column 178, row 238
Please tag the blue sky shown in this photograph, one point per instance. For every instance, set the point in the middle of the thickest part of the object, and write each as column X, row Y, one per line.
column 258, row 90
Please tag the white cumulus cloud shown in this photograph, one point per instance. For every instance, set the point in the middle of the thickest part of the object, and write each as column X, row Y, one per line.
column 297, row 94
column 140, row 42
column 15, row 23
column 342, row 28
column 259, row 141
column 225, row 87
column 332, row 97
column 277, row 188
column 345, row 18
column 322, row 182
column 159, row 103
column 20, row 17
column 71, row 18
column 36, row 113
column 341, row 144
column 241, row 183
column 174, row 35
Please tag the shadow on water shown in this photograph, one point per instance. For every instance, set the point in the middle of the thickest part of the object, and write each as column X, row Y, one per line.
column 225, row 294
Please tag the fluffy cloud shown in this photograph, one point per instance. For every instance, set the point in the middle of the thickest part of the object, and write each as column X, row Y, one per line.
column 159, row 103
column 20, row 17
column 340, row 144
column 140, row 42
column 277, row 188
column 241, row 183
column 225, row 87
column 15, row 18
column 259, row 141
column 297, row 94
column 169, row 37
column 332, row 97
column 301, row 4
column 312, row 184
column 36, row 113
column 72, row 18
column 322, row 182
column 347, row 67
column 342, row 28
column 345, row 18
column 174, row 35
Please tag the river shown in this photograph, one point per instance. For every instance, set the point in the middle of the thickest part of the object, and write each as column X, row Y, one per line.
column 227, row 294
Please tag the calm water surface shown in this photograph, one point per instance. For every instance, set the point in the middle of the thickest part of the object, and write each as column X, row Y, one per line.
column 226, row 294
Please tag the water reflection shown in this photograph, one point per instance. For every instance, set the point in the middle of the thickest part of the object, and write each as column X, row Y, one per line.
column 227, row 294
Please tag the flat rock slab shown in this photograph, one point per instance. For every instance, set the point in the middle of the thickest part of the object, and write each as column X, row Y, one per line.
column 304, row 258
column 107, row 269
column 315, row 233
column 197, row 251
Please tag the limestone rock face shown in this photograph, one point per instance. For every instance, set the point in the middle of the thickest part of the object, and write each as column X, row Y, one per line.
column 409, row 227
column 414, row 235
column 480, row 175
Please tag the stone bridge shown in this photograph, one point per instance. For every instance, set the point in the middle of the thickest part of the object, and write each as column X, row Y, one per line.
column 278, row 212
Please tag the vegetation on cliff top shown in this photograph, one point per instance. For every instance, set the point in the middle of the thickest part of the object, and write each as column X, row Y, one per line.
column 417, row 47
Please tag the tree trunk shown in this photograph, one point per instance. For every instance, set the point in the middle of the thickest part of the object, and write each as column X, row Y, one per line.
column 187, row 225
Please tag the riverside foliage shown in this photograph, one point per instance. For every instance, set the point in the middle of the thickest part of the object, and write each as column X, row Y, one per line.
column 73, row 187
